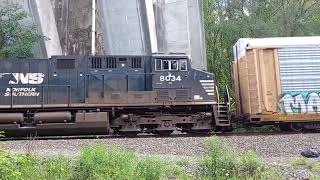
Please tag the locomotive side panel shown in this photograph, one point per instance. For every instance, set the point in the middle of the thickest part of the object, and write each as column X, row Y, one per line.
column 116, row 80
column 67, row 80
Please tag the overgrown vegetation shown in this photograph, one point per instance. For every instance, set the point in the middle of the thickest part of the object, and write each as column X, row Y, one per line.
column 223, row 162
column 94, row 162
column 306, row 163
column 262, row 129
column 98, row 162
column 228, row 20
column 16, row 37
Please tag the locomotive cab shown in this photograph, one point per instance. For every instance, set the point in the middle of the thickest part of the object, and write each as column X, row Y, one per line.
column 174, row 77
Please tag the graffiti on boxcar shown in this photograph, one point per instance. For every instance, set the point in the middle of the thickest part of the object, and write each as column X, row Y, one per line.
column 302, row 102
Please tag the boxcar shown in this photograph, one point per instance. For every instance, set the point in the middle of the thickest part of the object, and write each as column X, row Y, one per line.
column 277, row 80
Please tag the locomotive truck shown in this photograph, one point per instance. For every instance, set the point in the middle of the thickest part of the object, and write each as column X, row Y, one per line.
column 124, row 95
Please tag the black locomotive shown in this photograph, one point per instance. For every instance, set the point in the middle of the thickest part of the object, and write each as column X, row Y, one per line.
column 109, row 94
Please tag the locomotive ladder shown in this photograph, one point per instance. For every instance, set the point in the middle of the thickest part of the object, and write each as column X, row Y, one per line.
column 223, row 109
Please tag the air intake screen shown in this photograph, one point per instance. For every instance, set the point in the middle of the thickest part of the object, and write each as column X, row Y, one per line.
column 66, row 64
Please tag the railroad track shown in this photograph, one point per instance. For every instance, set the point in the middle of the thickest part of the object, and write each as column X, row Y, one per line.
column 174, row 135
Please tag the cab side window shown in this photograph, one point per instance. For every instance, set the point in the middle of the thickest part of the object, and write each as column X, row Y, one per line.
column 158, row 64
column 166, row 65
column 183, row 65
column 171, row 65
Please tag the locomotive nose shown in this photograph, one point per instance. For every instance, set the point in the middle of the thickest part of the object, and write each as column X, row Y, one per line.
column 208, row 86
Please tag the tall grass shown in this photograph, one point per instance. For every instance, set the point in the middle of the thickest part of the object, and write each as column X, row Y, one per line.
column 18, row 166
column 98, row 162
column 95, row 162
column 222, row 162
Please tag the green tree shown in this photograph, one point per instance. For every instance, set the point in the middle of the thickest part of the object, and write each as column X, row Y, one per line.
column 16, row 38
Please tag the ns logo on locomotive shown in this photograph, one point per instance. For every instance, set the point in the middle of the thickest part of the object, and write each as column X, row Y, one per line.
column 21, row 78
column 124, row 95
column 17, row 78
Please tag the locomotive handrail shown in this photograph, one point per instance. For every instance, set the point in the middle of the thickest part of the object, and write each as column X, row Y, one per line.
column 42, row 93
column 218, row 98
column 103, row 83
column 11, row 97
column 228, row 96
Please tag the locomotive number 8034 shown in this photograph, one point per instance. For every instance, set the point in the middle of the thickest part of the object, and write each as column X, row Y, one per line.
column 123, row 95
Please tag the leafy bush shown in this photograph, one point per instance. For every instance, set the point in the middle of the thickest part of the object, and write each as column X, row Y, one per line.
column 251, row 164
column 18, row 166
column 151, row 168
column 302, row 161
column 58, row 168
column 97, row 162
column 183, row 162
column 174, row 171
column 224, row 163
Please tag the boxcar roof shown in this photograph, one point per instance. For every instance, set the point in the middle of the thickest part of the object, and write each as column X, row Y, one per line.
column 242, row 44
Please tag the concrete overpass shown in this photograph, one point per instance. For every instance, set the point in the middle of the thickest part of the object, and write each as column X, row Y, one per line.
column 139, row 27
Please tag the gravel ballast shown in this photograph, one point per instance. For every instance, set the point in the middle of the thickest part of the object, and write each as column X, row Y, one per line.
column 276, row 150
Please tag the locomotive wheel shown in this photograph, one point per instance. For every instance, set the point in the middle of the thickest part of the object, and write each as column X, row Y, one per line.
column 164, row 132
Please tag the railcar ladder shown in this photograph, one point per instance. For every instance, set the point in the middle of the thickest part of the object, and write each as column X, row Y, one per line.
column 223, row 109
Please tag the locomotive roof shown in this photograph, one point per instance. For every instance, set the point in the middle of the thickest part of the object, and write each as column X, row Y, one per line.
column 243, row 44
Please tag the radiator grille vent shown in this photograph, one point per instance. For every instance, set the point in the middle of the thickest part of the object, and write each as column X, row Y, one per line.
column 182, row 95
column 138, row 96
column 115, row 96
column 162, row 95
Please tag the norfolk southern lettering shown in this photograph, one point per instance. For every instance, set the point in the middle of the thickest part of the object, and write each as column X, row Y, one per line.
column 22, row 92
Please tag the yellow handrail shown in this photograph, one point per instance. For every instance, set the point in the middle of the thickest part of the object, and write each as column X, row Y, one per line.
column 228, row 96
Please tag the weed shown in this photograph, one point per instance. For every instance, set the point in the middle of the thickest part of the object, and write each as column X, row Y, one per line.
column 313, row 177
column 307, row 163
column 175, row 172
column 316, row 168
column 224, row 163
column 19, row 166
column 183, row 162
column 97, row 162
column 301, row 161
column 151, row 168
column 58, row 168
column 251, row 163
